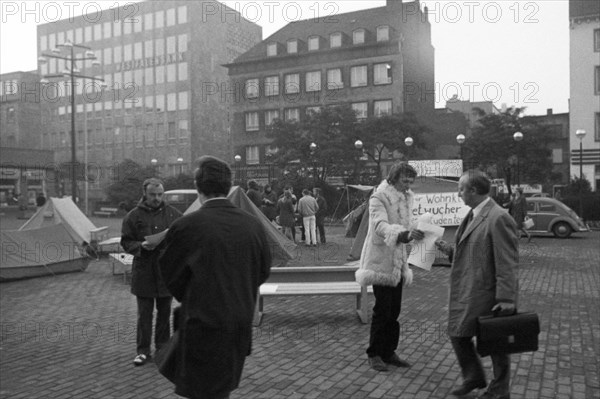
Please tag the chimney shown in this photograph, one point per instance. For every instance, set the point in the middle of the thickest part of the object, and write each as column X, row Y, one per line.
column 549, row 111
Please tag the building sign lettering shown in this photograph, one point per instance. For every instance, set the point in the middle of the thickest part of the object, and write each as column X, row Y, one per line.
column 151, row 61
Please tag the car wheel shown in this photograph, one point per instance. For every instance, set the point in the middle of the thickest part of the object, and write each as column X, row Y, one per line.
column 562, row 230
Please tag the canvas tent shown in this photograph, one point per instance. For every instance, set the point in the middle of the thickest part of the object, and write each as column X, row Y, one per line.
column 42, row 251
column 281, row 246
column 64, row 210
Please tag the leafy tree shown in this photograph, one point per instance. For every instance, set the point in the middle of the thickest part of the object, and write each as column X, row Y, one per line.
column 577, row 186
column 180, row 181
column 127, row 187
column 492, row 147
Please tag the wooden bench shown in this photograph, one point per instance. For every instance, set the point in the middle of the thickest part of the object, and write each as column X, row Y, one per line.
column 317, row 280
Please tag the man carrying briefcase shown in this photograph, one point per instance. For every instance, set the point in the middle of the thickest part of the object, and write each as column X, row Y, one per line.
column 483, row 280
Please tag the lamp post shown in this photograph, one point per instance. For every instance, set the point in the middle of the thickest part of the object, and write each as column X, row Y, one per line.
column 237, row 159
column 73, row 73
column 580, row 133
column 180, row 162
column 460, row 139
column 408, row 142
column 359, row 146
column 154, row 163
column 313, row 148
column 518, row 136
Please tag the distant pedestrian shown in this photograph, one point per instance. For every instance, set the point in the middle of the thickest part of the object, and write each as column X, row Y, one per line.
column 320, row 216
column 269, row 203
column 308, row 208
column 254, row 193
column 517, row 208
column 287, row 218
column 40, row 201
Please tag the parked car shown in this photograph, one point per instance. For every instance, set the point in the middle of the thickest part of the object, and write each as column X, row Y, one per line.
column 180, row 199
column 552, row 216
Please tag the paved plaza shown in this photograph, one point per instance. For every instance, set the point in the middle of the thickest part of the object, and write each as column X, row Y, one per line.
column 73, row 336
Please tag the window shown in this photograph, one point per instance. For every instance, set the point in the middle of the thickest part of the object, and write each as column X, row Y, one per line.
column 313, row 81
column 311, row 110
column 597, row 127
column 252, row 155
column 251, row 121
column 313, row 43
column 383, row 33
column 107, row 28
column 108, row 56
column 172, row 73
column 160, row 102
column 182, row 69
column 270, row 116
column 292, row 46
column 335, row 40
column 543, row 208
column 334, row 79
column 182, row 14
column 382, row 107
column 172, row 102
column 149, row 133
column 360, row 109
column 182, row 43
column 160, row 74
column 171, row 17
column 183, row 131
column 160, row 19
column 171, row 40
column 271, row 49
column 292, row 83
column 183, row 100
column 597, row 80
column 292, row 114
column 382, row 74
column 149, row 48
column 597, row 40
column 149, row 103
column 358, row 76
column 272, row 86
column 251, row 88
column 557, row 155
column 148, row 21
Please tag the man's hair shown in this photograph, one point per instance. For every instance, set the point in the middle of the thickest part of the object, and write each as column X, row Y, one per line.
column 213, row 176
column 400, row 169
column 153, row 181
column 317, row 190
column 253, row 184
column 520, row 190
column 478, row 180
column 306, row 191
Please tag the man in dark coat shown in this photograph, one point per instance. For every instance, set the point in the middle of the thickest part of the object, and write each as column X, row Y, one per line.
column 214, row 262
column 150, row 216
column 483, row 280
column 254, row 194
column 321, row 213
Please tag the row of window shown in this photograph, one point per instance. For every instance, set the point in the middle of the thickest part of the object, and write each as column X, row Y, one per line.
column 128, row 52
column 143, row 136
column 358, row 77
column 253, row 118
column 131, row 22
column 336, row 40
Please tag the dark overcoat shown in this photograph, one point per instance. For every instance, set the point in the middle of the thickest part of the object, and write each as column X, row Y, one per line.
column 140, row 222
column 213, row 263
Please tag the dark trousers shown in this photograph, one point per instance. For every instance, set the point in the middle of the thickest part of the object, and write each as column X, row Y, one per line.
column 385, row 329
column 144, row 323
column 321, row 228
column 472, row 370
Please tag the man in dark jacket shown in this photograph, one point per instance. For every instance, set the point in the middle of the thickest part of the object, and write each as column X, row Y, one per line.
column 150, row 216
column 320, row 216
column 214, row 261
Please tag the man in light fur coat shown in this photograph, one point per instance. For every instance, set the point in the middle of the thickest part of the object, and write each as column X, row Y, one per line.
column 383, row 262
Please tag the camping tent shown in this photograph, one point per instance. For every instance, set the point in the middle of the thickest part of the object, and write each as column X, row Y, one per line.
column 63, row 210
column 37, row 252
column 281, row 246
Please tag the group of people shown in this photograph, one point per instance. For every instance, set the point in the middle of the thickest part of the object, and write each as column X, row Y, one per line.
column 286, row 209
column 214, row 260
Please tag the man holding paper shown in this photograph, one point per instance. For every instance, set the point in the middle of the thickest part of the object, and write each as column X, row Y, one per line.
column 141, row 236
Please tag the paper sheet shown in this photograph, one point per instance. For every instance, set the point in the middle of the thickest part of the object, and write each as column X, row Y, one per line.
column 157, row 238
column 422, row 253
column 268, row 288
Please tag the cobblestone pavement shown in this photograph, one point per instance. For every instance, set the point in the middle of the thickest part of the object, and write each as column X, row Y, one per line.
column 73, row 336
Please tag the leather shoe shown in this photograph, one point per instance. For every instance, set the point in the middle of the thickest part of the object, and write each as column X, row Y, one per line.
column 467, row 387
column 489, row 395
column 377, row 364
column 394, row 360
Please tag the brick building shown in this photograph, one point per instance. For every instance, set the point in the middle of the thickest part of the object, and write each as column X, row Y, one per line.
column 379, row 60
column 156, row 58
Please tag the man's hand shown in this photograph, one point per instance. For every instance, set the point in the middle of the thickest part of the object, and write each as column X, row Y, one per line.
column 416, row 234
column 444, row 247
column 504, row 309
column 148, row 246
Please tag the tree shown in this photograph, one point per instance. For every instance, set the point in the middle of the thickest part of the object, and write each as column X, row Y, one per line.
column 129, row 177
column 492, row 148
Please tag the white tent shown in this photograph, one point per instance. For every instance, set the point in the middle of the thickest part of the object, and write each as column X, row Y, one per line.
column 64, row 210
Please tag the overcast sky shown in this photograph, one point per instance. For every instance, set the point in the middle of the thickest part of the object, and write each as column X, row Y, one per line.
column 507, row 51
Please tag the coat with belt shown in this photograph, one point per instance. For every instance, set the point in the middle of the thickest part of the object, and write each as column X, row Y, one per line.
column 214, row 261
column 140, row 222
column 484, row 268
column 383, row 260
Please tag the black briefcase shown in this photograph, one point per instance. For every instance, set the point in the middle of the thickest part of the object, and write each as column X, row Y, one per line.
column 508, row 334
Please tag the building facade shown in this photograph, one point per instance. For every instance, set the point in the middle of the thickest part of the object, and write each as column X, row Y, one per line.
column 584, row 106
column 158, row 60
column 379, row 60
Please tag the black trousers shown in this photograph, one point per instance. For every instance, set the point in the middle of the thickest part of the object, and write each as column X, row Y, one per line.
column 321, row 229
column 385, row 329
column 144, row 323
column 472, row 370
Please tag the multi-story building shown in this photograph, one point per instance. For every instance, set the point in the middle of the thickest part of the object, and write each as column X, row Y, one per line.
column 159, row 60
column 379, row 60
column 584, row 105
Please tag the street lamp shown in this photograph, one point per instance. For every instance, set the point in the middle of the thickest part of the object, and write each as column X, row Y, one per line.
column 180, row 162
column 460, row 139
column 72, row 72
column 237, row 159
column 518, row 136
column 580, row 133
column 313, row 148
column 154, row 163
column 408, row 142
column 359, row 146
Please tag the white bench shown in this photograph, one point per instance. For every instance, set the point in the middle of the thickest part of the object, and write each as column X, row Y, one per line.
column 317, row 280
column 104, row 211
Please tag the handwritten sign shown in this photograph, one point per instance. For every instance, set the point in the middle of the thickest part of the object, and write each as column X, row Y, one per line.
column 447, row 208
